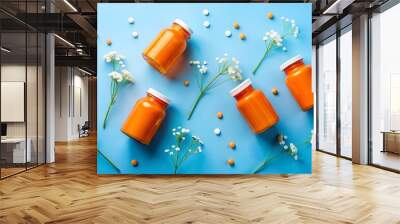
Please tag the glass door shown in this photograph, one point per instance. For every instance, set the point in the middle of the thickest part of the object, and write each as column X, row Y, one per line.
column 385, row 90
column 326, row 135
column 345, row 93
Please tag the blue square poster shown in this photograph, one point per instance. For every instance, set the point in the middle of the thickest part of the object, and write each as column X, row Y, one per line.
column 157, row 63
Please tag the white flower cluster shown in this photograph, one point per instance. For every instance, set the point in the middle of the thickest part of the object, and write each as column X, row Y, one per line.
column 289, row 29
column 231, row 67
column 203, row 69
column 275, row 37
column 125, row 75
column 290, row 25
column 291, row 149
column 114, row 57
column 117, row 61
column 180, row 133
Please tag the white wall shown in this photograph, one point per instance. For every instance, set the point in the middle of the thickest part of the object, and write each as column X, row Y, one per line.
column 71, row 94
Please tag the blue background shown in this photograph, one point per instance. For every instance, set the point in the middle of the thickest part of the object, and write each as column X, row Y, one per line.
column 205, row 44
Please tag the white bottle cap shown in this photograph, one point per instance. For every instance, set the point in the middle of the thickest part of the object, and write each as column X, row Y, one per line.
column 239, row 88
column 159, row 95
column 184, row 26
column 290, row 61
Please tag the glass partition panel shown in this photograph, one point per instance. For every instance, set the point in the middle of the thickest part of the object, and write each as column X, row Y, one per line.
column 32, row 98
column 41, row 79
column 385, row 89
column 14, row 153
column 327, row 96
column 346, row 94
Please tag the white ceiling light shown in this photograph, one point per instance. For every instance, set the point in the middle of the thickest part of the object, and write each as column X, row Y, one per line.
column 65, row 41
column 70, row 5
column 5, row 50
column 338, row 6
column 84, row 71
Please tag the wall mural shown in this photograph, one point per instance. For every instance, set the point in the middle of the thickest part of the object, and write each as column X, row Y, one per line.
column 204, row 88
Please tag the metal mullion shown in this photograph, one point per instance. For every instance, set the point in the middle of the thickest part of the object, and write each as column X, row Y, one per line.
column 26, row 87
column 0, row 97
column 338, row 100
column 369, row 87
column 37, row 91
column 317, row 97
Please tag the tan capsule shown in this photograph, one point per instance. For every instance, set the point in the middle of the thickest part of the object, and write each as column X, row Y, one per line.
column 275, row 91
column 270, row 15
column 236, row 25
column 232, row 145
column 242, row 36
column 109, row 42
column 220, row 115
column 186, row 83
column 231, row 162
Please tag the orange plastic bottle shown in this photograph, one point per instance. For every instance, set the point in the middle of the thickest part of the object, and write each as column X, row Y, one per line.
column 255, row 107
column 146, row 117
column 167, row 47
column 299, row 82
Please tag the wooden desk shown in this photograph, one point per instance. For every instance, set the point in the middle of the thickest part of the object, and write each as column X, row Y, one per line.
column 391, row 141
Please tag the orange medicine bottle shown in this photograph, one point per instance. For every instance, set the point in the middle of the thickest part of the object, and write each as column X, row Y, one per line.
column 299, row 82
column 167, row 47
column 146, row 117
column 255, row 107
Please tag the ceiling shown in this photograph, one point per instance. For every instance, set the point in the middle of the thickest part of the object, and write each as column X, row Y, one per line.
column 75, row 22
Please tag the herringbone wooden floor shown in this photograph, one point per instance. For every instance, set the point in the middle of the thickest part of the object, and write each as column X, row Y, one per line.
column 69, row 191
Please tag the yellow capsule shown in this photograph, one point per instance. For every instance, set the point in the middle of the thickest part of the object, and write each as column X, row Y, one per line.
column 231, row 162
column 242, row 36
column 134, row 162
column 220, row 115
column 270, row 15
column 236, row 25
column 232, row 145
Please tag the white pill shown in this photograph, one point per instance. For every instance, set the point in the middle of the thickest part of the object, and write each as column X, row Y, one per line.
column 206, row 24
column 131, row 20
column 135, row 34
column 206, row 12
column 217, row 131
column 228, row 33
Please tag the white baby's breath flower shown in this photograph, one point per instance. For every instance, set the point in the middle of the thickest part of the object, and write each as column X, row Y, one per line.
column 116, row 76
column 285, row 147
column 126, row 75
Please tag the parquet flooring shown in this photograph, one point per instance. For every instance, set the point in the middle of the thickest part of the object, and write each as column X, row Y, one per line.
column 70, row 191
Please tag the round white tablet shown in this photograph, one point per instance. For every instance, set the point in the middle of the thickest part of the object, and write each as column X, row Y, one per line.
column 206, row 12
column 217, row 131
column 135, row 34
column 206, row 24
column 228, row 33
column 131, row 20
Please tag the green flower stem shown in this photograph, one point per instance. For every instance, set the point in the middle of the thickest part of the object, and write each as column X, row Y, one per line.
column 196, row 102
column 109, row 161
column 204, row 90
column 263, row 57
column 114, row 92
column 265, row 163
